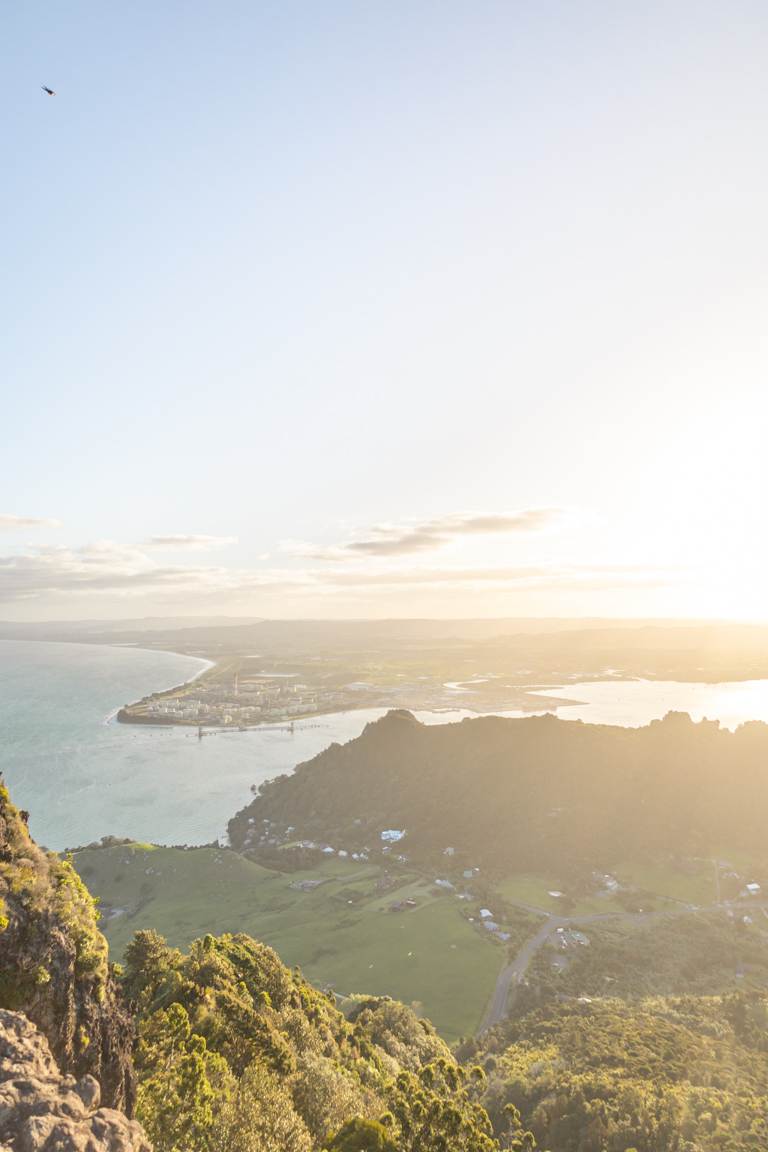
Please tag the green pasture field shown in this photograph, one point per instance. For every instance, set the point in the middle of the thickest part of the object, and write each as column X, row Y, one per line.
column 342, row 933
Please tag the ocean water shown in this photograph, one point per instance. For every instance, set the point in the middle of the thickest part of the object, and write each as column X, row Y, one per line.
column 82, row 776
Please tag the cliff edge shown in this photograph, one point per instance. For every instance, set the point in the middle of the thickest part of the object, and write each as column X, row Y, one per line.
column 41, row 1109
column 54, row 966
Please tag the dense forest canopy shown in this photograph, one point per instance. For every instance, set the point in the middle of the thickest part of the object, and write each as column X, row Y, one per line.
column 662, row 1075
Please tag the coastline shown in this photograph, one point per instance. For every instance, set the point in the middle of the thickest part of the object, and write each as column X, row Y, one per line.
column 533, row 702
column 114, row 715
column 595, row 700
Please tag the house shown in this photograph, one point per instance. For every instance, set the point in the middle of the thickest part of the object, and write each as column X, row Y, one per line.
column 392, row 835
column 486, row 913
column 753, row 889
column 449, row 851
column 567, row 936
column 445, row 885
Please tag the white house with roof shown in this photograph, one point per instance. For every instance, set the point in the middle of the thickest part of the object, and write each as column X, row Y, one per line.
column 392, row 835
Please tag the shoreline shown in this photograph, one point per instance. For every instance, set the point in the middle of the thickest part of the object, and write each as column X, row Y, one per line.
column 539, row 703
column 538, row 706
column 285, row 724
column 114, row 715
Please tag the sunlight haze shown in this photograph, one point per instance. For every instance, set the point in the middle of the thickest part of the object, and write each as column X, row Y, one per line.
column 383, row 628
column 365, row 310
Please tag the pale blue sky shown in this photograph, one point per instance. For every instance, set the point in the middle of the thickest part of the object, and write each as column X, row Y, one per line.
column 283, row 272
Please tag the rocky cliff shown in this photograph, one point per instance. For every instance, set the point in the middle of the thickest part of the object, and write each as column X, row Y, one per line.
column 41, row 1109
column 53, row 962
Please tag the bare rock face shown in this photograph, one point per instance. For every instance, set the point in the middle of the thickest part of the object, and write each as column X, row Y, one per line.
column 54, row 965
column 43, row 1111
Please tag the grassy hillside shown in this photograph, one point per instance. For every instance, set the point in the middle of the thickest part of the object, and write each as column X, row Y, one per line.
column 341, row 932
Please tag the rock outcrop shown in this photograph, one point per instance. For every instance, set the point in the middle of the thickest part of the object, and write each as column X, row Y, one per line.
column 42, row 1110
column 54, row 966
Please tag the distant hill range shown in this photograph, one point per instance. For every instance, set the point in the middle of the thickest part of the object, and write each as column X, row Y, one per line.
column 528, row 651
column 536, row 794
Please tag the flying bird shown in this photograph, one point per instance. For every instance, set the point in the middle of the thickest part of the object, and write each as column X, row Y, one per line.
column 50, row 91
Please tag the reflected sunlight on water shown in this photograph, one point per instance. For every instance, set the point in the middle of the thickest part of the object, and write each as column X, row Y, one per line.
column 633, row 703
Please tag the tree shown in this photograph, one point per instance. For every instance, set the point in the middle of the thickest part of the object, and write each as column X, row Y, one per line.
column 148, row 961
column 325, row 1095
column 180, row 1080
column 359, row 1135
column 260, row 1116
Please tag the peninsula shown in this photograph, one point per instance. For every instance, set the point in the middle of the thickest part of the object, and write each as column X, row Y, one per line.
column 275, row 672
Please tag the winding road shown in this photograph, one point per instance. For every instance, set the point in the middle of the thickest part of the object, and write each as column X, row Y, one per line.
column 513, row 973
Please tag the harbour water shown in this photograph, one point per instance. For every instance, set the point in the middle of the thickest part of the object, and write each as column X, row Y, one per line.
column 632, row 703
column 82, row 777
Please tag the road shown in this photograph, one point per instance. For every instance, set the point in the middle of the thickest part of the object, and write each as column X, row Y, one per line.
column 513, row 974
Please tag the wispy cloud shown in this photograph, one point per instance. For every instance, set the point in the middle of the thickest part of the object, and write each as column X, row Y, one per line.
column 531, row 575
column 191, row 542
column 108, row 569
column 8, row 521
column 385, row 540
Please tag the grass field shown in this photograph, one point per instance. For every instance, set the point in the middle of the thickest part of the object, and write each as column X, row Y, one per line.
column 690, row 883
column 534, row 891
column 340, row 933
column 694, row 884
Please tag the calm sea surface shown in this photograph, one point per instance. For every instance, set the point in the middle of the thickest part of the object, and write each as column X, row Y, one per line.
column 82, row 778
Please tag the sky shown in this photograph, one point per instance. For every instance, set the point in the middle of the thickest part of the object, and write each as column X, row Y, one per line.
column 407, row 308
